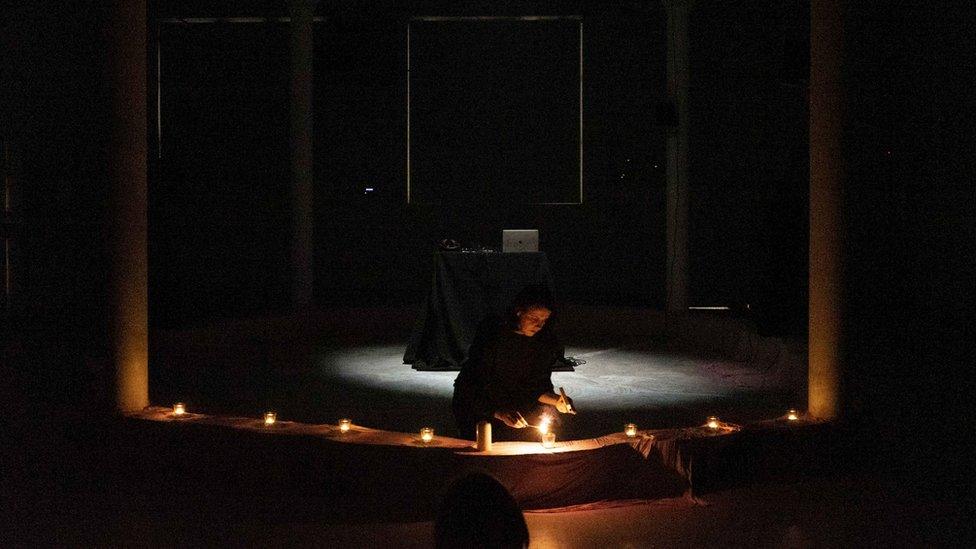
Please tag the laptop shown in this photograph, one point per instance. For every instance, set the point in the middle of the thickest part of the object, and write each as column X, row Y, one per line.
column 520, row 240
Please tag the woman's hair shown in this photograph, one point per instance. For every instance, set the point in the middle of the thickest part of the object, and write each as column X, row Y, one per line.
column 531, row 297
column 534, row 296
column 478, row 511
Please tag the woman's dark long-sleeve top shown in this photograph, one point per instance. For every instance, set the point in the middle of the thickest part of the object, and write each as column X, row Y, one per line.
column 508, row 372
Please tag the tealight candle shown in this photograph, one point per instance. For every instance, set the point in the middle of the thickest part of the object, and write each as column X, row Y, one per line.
column 548, row 440
column 427, row 434
column 792, row 416
column 179, row 409
column 712, row 422
column 630, row 430
column 270, row 418
column 345, row 425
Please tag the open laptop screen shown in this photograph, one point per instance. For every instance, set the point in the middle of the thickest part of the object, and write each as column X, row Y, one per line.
column 520, row 240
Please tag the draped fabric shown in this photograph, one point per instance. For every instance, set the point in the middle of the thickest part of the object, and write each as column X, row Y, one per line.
column 468, row 292
column 369, row 471
column 611, row 472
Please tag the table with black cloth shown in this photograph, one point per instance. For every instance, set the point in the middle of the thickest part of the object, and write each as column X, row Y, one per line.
column 469, row 289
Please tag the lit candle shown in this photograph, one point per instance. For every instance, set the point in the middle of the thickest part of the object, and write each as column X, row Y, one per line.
column 544, row 424
column 712, row 422
column 270, row 418
column 548, row 440
column 344, row 425
column 427, row 434
column 179, row 409
column 792, row 416
column 630, row 430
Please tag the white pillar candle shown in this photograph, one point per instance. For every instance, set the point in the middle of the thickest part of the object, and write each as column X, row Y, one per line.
column 483, row 439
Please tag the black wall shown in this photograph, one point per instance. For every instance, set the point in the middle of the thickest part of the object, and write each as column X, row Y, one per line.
column 219, row 215
column 54, row 344
column 910, row 234
column 495, row 111
column 53, row 116
column 748, row 159
column 219, row 227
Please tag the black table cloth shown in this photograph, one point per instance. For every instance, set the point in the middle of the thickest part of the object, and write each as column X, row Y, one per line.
column 467, row 289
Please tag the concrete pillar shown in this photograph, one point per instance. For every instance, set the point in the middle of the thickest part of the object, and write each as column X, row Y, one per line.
column 301, row 128
column 127, row 166
column 677, row 174
column 826, row 222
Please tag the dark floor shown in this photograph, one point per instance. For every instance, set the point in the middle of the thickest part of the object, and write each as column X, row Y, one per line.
column 821, row 512
column 73, row 477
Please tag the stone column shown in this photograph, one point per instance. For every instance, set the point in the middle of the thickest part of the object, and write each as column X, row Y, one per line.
column 301, row 129
column 677, row 174
column 127, row 171
column 826, row 222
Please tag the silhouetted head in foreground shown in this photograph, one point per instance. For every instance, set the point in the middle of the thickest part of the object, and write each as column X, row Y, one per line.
column 478, row 511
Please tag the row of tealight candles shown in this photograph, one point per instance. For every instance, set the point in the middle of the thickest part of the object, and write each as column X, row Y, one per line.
column 427, row 433
column 345, row 424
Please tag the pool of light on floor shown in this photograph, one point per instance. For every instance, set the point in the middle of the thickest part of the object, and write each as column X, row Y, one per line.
column 611, row 379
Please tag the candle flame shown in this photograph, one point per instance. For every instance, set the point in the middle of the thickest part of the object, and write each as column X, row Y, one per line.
column 544, row 424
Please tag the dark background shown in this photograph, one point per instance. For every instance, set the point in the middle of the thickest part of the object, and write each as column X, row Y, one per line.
column 218, row 245
column 494, row 131
column 908, row 195
column 495, row 111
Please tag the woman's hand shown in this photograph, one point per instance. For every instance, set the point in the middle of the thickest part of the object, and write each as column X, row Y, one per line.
column 565, row 405
column 511, row 418
column 562, row 403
